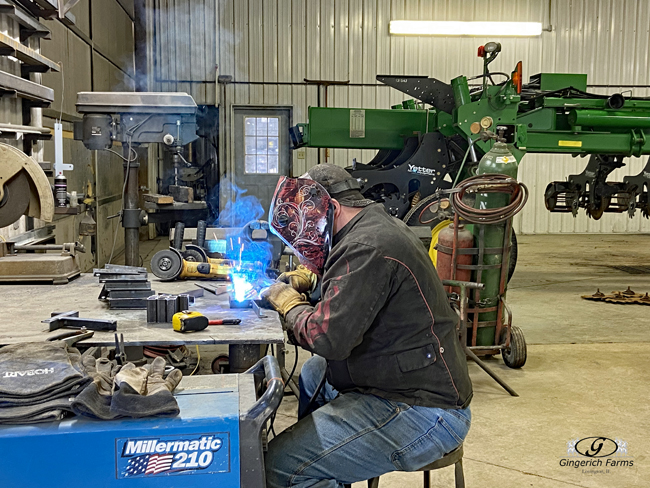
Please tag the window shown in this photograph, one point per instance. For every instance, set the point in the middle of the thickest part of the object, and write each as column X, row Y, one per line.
column 261, row 145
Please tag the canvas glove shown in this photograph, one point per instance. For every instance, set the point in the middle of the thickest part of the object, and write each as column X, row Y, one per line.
column 135, row 377
column 155, row 381
column 301, row 279
column 283, row 297
column 102, row 371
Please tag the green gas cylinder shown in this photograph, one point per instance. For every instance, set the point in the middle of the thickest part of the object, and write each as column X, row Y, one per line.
column 499, row 160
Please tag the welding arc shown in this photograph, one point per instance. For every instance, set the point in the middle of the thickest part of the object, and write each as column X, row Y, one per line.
column 489, row 183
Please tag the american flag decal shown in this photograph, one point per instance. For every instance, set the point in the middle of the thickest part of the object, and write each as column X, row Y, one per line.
column 149, row 464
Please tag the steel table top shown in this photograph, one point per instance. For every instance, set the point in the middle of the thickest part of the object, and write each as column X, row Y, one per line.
column 24, row 306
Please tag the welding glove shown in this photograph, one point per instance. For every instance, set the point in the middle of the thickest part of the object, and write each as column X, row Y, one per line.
column 102, row 371
column 283, row 297
column 155, row 381
column 301, row 279
column 148, row 379
column 135, row 377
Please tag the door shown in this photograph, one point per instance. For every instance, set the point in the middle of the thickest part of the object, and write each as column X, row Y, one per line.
column 262, row 152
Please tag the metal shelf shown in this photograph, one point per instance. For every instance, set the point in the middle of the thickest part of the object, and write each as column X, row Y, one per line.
column 30, row 26
column 10, row 131
column 37, row 94
column 32, row 61
column 50, row 9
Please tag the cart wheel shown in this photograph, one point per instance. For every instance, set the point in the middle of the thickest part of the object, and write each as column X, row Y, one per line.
column 221, row 364
column 515, row 356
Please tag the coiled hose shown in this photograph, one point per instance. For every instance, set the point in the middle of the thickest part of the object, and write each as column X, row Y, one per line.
column 489, row 183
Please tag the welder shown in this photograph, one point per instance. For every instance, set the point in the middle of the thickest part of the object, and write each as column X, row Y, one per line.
column 396, row 391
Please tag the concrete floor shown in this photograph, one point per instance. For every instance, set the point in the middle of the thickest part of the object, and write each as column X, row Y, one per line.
column 587, row 372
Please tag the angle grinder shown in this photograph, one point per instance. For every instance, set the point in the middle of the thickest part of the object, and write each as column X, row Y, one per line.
column 169, row 265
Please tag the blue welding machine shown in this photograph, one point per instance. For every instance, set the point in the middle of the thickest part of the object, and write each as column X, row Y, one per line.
column 215, row 441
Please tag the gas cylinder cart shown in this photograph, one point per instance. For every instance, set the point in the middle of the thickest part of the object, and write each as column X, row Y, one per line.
column 475, row 249
column 216, row 440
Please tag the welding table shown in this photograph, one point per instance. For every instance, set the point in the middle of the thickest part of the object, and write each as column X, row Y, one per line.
column 24, row 306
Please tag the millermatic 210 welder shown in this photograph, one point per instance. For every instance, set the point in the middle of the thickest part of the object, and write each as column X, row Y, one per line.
column 215, row 441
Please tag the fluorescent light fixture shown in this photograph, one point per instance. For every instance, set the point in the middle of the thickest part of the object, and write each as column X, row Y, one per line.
column 475, row 29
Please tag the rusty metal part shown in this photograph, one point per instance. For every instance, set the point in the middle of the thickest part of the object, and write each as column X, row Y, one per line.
column 629, row 292
column 463, row 301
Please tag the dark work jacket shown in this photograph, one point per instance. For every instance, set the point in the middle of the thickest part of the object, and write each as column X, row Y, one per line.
column 384, row 322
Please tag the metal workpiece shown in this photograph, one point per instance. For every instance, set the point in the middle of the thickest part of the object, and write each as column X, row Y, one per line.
column 172, row 307
column 152, row 309
column 125, row 287
column 183, row 302
column 71, row 320
column 161, row 308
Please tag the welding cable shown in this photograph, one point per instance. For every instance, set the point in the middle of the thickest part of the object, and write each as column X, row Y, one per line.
column 489, row 183
column 198, row 360
column 317, row 391
column 293, row 370
column 295, row 364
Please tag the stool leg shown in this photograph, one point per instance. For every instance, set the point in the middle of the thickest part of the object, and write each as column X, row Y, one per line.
column 427, row 479
column 373, row 483
column 460, row 476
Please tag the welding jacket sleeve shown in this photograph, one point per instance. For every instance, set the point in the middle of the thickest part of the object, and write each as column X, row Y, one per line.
column 355, row 287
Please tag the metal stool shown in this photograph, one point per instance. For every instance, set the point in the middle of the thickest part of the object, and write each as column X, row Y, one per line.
column 455, row 457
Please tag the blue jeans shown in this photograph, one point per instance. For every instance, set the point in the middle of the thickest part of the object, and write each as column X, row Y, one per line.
column 355, row 437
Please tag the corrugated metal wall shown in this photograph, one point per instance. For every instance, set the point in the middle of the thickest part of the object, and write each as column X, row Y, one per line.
column 288, row 40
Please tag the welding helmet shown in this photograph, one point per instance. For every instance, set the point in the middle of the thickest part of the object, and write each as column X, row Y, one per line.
column 302, row 215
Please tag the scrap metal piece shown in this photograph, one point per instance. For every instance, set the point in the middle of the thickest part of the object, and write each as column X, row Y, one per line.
column 629, row 292
column 217, row 290
column 598, row 296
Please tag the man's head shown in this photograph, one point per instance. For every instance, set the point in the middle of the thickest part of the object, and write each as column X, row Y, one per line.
column 307, row 212
column 344, row 190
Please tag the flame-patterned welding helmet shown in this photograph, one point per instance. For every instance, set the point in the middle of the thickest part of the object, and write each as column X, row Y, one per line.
column 302, row 215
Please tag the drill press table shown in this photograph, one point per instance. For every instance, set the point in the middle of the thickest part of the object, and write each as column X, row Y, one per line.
column 24, row 306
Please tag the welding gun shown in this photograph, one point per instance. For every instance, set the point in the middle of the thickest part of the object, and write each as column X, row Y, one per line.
column 187, row 321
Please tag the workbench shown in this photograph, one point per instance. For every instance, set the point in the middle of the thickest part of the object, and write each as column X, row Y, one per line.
column 24, row 306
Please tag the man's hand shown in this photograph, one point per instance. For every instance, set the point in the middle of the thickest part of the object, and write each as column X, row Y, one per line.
column 283, row 297
column 301, row 279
